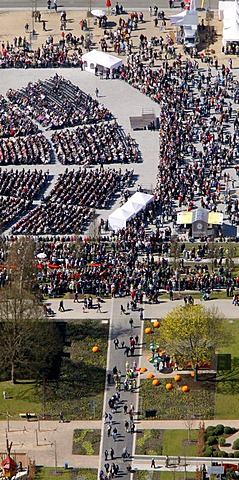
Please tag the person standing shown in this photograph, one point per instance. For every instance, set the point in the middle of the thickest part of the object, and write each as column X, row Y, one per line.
column 106, row 455
column 112, row 452
column 97, row 92
column 55, row 5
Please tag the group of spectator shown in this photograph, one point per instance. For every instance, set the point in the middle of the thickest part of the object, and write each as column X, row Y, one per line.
column 28, row 150
column 18, row 189
column 14, row 122
column 71, row 203
column 57, row 103
column 102, row 143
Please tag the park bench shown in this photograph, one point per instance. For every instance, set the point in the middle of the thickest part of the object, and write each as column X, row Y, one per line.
column 30, row 415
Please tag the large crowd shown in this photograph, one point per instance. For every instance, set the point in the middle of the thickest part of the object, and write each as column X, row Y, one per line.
column 101, row 143
column 57, row 103
column 71, row 203
column 13, row 122
column 18, row 189
column 198, row 142
column 28, row 150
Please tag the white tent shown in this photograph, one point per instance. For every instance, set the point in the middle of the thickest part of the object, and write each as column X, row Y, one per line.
column 184, row 18
column 102, row 60
column 141, row 199
column 119, row 218
column 231, row 34
column 228, row 11
column 137, row 202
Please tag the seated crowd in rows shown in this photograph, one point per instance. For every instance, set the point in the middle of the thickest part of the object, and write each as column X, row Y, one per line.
column 18, row 189
column 13, row 122
column 101, row 143
column 57, row 103
column 71, row 203
column 29, row 150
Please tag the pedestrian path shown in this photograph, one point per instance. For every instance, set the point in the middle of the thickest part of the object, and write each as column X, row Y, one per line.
column 118, row 429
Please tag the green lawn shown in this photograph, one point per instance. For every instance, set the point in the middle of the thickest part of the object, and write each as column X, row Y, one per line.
column 22, row 397
column 149, row 442
column 156, row 475
column 80, row 379
column 227, row 386
column 159, row 442
column 175, row 442
column 44, row 473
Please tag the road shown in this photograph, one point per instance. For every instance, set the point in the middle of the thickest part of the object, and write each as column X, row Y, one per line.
column 82, row 4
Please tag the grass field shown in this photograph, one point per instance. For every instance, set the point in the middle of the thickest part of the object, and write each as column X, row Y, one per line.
column 167, row 442
column 81, row 376
column 156, row 475
column 175, row 442
column 227, row 385
column 44, row 473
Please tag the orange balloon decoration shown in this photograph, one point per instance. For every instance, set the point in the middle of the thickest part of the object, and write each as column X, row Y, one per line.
column 155, row 382
column 185, row 388
column 150, row 375
column 149, row 357
column 192, row 374
column 177, row 378
column 156, row 324
column 169, row 386
column 143, row 369
column 148, row 330
column 95, row 349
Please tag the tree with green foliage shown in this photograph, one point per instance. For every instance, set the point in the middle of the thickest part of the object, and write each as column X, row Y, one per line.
column 193, row 334
column 30, row 342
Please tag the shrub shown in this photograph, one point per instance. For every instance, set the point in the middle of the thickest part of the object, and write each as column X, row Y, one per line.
column 208, row 452
column 221, row 453
column 219, row 429
column 229, row 430
column 235, row 445
column 212, row 441
column 236, row 454
column 209, row 431
column 221, row 441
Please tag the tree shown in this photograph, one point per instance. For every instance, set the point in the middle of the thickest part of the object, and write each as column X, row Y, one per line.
column 193, row 333
column 30, row 342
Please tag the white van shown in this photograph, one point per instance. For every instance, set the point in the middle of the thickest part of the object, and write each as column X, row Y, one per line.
column 191, row 39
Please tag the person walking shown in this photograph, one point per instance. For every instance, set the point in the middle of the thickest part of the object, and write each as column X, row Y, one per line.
column 109, row 430
column 126, row 424
column 97, row 92
column 106, row 455
column 152, row 463
column 131, row 322
column 55, row 5
column 61, row 306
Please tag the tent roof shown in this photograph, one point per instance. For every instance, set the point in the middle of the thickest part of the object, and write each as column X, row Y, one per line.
column 187, row 17
column 102, row 58
column 141, row 198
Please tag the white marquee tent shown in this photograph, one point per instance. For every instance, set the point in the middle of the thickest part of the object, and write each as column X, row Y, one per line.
column 119, row 218
column 184, row 18
column 229, row 12
column 102, row 60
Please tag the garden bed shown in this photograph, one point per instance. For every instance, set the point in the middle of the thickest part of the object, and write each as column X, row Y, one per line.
column 176, row 405
column 86, row 442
